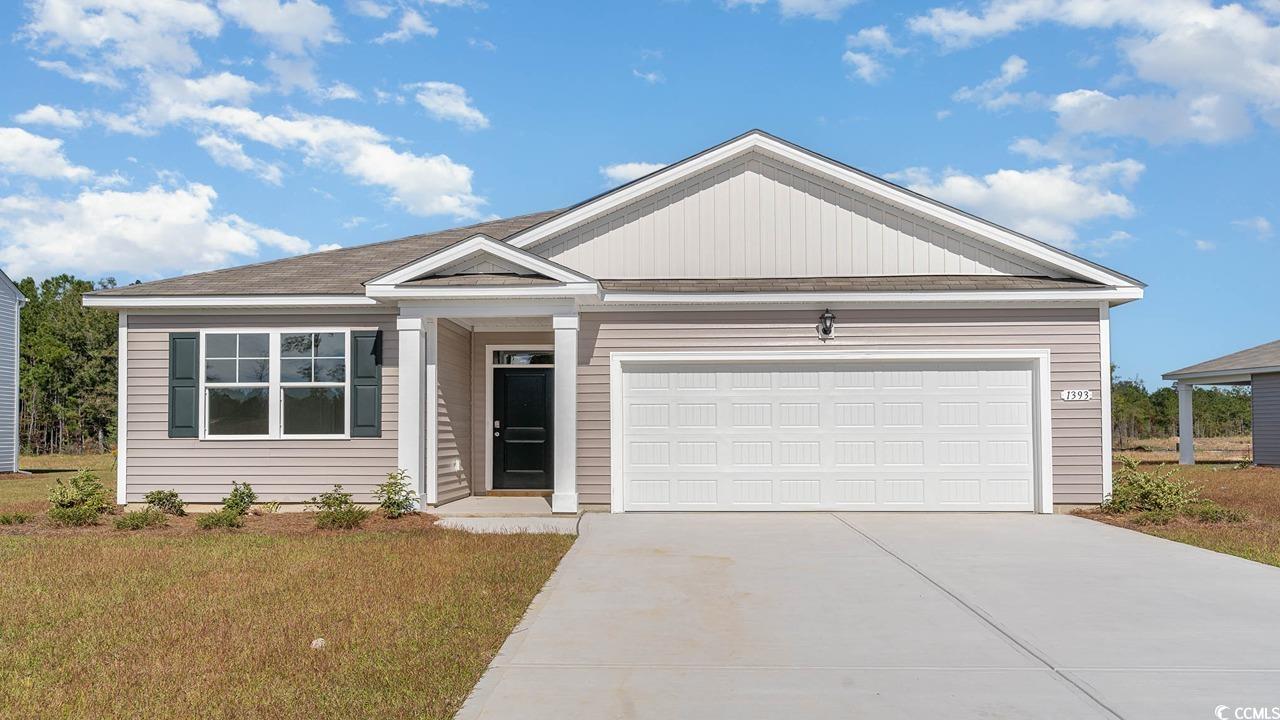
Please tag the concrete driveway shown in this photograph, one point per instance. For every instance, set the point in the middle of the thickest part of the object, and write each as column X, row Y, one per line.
column 888, row 616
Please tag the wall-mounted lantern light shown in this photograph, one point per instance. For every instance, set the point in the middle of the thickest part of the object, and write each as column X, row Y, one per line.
column 826, row 325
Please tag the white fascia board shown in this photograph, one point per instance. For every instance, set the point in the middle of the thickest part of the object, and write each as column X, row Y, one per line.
column 476, row 245
column 226, row 301
column 872, row 186
column 1220, row 377
column 501, row 291
column 1114, row 295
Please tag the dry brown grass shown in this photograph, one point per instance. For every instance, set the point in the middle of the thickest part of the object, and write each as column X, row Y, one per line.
column 1165, row 449
column 1254, row 490
column 179, row 623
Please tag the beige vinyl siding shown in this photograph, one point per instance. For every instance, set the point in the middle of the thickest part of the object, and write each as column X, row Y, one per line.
column 1071, row 335
column 453, row 412
column 479, row 384
column 1266, row 419
column 284, row 470
column 759, row 217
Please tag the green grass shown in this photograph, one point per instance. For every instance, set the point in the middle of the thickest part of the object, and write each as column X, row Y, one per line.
column 175, row 622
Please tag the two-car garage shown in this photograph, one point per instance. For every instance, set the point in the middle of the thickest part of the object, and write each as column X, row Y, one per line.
column 803, row 433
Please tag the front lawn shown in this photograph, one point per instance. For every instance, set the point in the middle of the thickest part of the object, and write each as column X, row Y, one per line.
column 178, row 623
column 1253, row 490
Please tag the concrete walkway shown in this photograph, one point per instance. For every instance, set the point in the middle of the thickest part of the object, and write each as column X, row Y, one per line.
column 887, row 615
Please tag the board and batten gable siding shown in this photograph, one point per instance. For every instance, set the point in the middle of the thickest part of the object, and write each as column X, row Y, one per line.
column 10, row 306
column 453, row 412
column 1070, row 334
column 1266, row 419
column 284, row 470
column 757, row 217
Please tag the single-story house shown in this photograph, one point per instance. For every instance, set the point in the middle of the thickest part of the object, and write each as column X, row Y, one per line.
column 1258, row 367
column 756, row 327
column 11, row 302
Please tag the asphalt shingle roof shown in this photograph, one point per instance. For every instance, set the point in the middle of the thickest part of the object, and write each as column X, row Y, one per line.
column 336, row 272
column 1266, row 355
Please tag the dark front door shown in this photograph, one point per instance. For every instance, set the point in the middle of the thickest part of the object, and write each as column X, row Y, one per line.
column 522, row 450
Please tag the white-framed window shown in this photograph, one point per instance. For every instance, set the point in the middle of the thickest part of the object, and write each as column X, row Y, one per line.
column 280, row 383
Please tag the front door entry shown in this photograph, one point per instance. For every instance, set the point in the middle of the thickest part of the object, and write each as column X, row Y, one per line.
column 522, row 424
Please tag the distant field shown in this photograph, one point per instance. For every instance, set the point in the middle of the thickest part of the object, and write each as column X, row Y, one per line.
column 1165, row 449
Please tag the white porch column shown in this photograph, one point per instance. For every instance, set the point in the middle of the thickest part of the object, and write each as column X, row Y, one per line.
column 564, row 498
column 416, row 443
column 1186, row 425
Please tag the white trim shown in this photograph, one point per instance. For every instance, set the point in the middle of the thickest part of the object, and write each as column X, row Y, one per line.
column 1039, row 358
column 229, row 301
column 874, row 187
column 472, row 246
column 19, row 301
column 486, row 309
column 122, row 408
column 489, row 367
column 1186, row 424
column 497, row 291
column 410, row 453
column 1117, row 295
column 1104, row 344
column 431, row 404
column 1221, row 377
column 564, row 497
column 275, row 387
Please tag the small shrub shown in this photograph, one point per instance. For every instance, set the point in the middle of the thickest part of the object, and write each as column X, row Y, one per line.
column 1137, row 490
column 74, row 516
column 395, row 497
column 16, row 518
column 266, row 508
column 224, row 518
column 1154, row 517
column 140, row 519
column 80, row 490
column 336, row 511
column 1208, row 511
column 166, row 501
column 241, row 498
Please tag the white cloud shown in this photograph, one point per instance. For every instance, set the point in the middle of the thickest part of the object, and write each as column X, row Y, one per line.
column 126, row 33
column 1048, row 203
column 875, row 38
column 292, row 26
column 446, row 101
column 354, row 222
column 651, row 77
column 22, row 153
column 1102, row 246
column 370, row 8
column 1157, row 119
column 90, row 77
column 620, row 173
column 1217, row 64
column 481, row 44
column 942, row 114
column 224, row 87
column 338, row 91
column 994, row 93
column 50, row 115
column 412, row 23
column 864, row 66
column 818, row 9
column 1205, row 245
column 229, row 153
column 109, row 231
column 293, row 73
column 1258, row 225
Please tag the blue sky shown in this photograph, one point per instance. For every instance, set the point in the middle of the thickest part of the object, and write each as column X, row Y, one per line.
column 146, row 139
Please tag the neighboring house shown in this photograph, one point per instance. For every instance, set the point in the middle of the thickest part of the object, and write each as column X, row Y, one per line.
column 1258, row 367
column 756, row 327
column 11, row 302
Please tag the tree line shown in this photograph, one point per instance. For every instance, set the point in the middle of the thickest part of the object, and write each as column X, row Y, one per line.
column 67, row 398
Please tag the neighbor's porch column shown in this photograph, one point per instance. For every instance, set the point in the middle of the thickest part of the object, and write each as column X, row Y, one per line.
column 564, row 498
column 416, row 421
column 1186, row 426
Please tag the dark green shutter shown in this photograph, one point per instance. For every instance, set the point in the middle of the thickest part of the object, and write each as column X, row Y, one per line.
column 366, row 383
column 184, row 385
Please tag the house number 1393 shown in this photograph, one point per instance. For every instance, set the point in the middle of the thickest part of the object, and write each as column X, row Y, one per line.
column 1077, row 395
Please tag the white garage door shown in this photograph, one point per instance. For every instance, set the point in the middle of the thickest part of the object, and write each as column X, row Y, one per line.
column 832, row 436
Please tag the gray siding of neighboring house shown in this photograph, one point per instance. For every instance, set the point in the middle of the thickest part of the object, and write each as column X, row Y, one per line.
column 284, row 470
column 9, row 307
column 1266, row 419
column 1071, row 335
column 453, row 412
